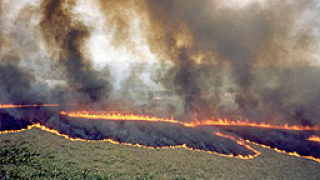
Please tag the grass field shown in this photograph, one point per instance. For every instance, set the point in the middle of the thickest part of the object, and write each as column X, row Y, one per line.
column 36, row 154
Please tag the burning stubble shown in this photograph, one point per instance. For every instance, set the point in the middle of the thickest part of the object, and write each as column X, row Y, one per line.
column 147, row 132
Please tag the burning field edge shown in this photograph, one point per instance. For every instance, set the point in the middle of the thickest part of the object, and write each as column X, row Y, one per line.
column 239, row 141
column 44, row 128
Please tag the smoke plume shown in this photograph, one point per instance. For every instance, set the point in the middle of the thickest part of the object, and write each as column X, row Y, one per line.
column 260, row 47
column 190, row 59
column 67, row 36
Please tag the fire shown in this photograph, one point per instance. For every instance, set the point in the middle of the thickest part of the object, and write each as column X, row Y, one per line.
column 16, row 131
column 283, row 151
column 131, row 117
column 108, row 116
column 241, row 142
column 10, row 106
column 55, row 132
column 101, row 115
column 314, row 138
column 226, row 122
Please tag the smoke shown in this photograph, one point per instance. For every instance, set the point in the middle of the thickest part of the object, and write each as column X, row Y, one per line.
column 15, row 85
column 1, row 38
column 257, row 61
column 67, row 36
column 259, row 39
column 187, row 58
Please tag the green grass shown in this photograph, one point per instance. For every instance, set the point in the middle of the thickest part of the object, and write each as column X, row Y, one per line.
column 22, row 162
column 36, row 154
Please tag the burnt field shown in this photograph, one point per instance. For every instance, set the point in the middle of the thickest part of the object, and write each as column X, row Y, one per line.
column 55, row 157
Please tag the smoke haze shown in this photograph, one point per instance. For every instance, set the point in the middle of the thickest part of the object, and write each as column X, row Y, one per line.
column 258, row 60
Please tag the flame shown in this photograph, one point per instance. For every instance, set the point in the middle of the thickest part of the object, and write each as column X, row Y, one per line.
column 16, row 131
column 241, row 142
column 314, row 138
column 131, row 117
column 108, row 116
column 55, row 132
column 101, row 115
column 10, row 106
column 283, row 151
column 226, row 122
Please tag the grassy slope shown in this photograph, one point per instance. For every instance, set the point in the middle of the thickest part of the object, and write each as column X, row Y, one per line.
column 35, row 153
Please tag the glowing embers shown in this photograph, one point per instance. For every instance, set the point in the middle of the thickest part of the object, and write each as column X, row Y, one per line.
column 11, row 106
column 247, row 123
column 314, row 138
column 185, row 146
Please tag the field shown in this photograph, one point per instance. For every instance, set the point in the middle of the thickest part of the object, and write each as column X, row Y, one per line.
column 36, row 154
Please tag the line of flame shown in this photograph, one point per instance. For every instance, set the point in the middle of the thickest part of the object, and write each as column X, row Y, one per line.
column 131, row 117
column 44, row 128
column 99, row 115
column 195, row 123
column 267, row 147
column 314, row 138
column 247, row 123
column 239, row 141
column 283, row 151
column 11, row 106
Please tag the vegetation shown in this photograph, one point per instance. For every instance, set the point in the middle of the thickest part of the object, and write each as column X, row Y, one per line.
column 21, row 162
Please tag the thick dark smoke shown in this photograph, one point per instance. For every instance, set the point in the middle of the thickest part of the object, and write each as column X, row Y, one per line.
column 248, row 42
column 16, row 119
column 257, row 61
column 15, row 84
column 1, row 21
column 185, row 83
column 68, row 35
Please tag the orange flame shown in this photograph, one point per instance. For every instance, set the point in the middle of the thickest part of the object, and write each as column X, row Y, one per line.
column 131, row 117
column 283, row 151
column 10, row 106
column 265, row 146
column 241, row 142
column 44, row 128
column 314, row 138
column 225, row 122
column 220, row 122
